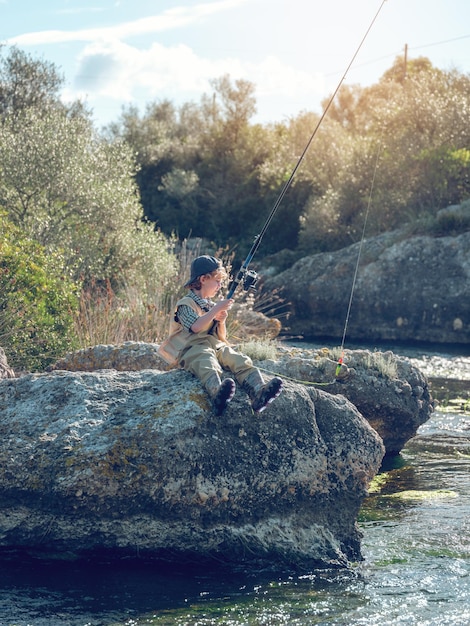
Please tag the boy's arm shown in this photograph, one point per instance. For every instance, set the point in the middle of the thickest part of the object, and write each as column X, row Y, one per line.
column 218, row 313
column 221, row 330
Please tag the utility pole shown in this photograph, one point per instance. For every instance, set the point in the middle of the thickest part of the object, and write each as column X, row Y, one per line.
column 405, row 60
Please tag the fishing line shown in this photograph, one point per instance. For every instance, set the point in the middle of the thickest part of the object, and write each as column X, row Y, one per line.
column 353, row 286
column 249, row 278
column 361, row 243
column 297, row 380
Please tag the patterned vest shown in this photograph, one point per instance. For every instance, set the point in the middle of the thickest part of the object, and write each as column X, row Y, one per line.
column 179, row 337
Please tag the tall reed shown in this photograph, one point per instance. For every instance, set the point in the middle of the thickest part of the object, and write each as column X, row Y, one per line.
column 107, row 316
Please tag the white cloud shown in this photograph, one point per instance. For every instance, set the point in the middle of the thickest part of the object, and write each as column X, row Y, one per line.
column 111, row 67
column 168, row 20
column 79, row 10
column 120, row 71
column 272, row 77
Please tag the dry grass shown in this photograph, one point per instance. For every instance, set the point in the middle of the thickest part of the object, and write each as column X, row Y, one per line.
column 107, row 318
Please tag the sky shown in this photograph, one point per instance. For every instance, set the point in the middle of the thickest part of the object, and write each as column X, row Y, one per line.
column 115, row 53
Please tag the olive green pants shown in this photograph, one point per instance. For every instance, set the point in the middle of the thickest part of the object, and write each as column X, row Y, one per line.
column 208, row 354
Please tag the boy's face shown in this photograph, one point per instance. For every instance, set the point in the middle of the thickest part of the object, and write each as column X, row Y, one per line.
column 210, row 284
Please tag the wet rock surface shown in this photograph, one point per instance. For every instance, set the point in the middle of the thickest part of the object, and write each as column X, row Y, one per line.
column 391, row 392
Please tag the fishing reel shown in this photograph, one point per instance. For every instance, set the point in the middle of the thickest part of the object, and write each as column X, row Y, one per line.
column 250, row 279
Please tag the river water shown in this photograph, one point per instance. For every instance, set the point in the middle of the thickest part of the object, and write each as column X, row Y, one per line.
column 416, row 547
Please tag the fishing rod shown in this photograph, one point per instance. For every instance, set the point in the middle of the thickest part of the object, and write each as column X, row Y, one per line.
column 248, row 277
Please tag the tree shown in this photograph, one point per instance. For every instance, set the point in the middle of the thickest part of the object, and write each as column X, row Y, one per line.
column 205, row 170
column 420, row 115
column 25, row 83
column 403, row 146
column 66, row 187
column 71, row 189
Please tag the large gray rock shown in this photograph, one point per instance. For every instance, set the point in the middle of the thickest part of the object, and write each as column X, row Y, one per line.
column 129, row 356
column 388, row 390
column 407, row 289
column 391, row 393
column 135, row 463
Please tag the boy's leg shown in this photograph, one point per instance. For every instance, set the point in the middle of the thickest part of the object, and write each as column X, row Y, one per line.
column 201, row 361
column 239, row 364
column 221, row 392
column 260, row 393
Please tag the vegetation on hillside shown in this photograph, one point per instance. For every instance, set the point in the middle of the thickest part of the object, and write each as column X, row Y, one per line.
column 109, row 213
column 207, row 171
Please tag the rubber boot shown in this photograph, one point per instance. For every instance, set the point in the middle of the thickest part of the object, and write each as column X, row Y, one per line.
column 260, row 393
column 220, row 392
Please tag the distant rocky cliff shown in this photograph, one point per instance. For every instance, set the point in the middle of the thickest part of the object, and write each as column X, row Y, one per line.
column 407, row 289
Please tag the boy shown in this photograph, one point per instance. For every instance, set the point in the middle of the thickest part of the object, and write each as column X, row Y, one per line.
column 198, row 341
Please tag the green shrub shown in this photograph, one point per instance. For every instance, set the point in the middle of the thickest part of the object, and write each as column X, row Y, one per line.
column 453, row 220
column 260, row 349
column 38, row 302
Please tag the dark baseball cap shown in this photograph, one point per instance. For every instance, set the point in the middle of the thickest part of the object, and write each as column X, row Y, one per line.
column 204, row 264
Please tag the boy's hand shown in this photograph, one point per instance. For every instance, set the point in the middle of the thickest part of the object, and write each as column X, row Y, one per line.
column 221, row 316
column 221, row 309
